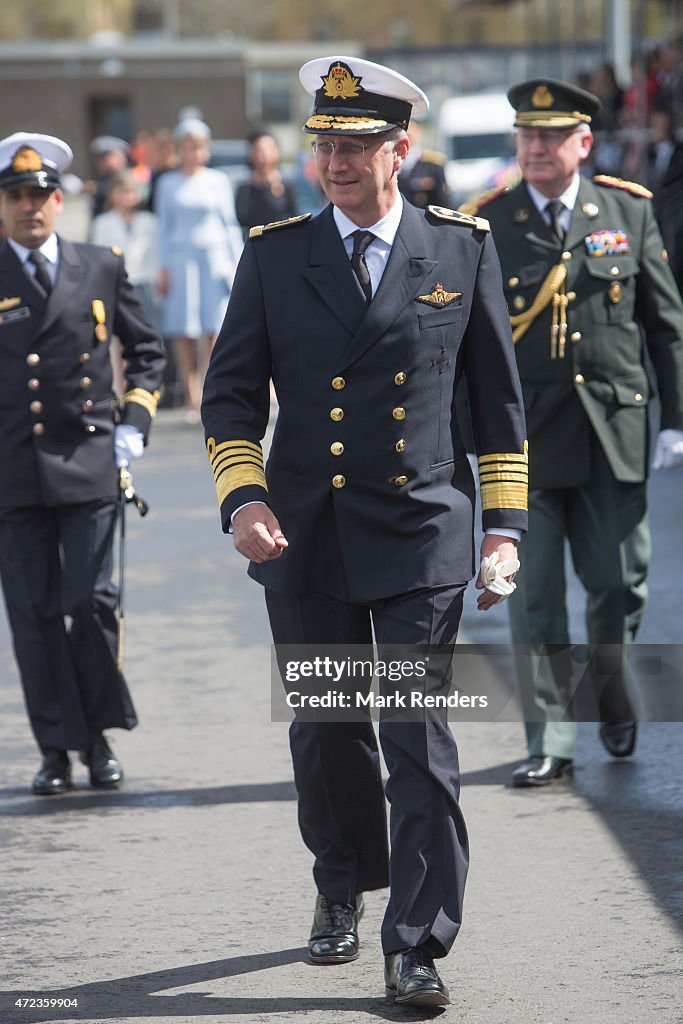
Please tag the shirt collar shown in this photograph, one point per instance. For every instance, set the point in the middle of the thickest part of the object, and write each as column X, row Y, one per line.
column 568, row 197
column 49, row 249
column 385, row 228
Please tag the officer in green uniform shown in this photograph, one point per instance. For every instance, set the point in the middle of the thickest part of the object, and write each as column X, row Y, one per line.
column 590, row 296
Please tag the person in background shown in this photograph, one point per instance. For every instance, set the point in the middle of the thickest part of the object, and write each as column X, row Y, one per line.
column 136, row 233
column 111, row 156
column 163, row 157
column 200, row 243
column 63, row 438
column 592, row 304
column 423, row 177
column 265, row 197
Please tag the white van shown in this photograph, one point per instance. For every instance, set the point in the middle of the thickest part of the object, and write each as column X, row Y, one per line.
column 475, row 133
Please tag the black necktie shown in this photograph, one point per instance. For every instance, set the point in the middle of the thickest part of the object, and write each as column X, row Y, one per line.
column 555, row 208
column 361, row 240
column 41, row 275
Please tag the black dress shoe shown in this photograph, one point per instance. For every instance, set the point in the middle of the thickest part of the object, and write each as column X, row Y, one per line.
column 618, row 738
column 411, row 977
column 334, row 935
column 540, row 771
column 105, row 770
column 54, row 774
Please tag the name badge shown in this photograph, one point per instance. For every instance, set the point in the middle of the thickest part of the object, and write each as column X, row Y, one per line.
column 14, row 314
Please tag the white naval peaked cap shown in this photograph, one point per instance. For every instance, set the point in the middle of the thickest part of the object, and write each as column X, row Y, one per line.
column 33, row 158
column 356, row 96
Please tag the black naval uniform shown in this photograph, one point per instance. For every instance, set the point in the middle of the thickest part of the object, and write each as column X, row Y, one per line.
column 369, row 480
column 59, row 482
column 424, row 182
column 586, row 392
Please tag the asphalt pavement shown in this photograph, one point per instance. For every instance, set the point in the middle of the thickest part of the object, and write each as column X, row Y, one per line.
column 187, row 895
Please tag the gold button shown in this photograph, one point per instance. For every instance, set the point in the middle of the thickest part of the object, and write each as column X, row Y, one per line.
column 336, row 415
column 337, row 448
column 38, row 429
column 84, row 357
column 90, row 428
column 401, row 445
column 338, row 383
column 400, row 480
column 579, row 379
column 614, row 271
column 576, row 336
column 513, row 282
column 571, row 296
column 400, row 378
column 36, row 407
column 33, row 359
column 638, row 397
column 339, row 481
column 519, row 302
column 398, row 413
column 566, row 256
column 85, row 382
column 34, row 383
column 87, row 406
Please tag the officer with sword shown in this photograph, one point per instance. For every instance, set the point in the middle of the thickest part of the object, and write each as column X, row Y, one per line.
column 65, row 438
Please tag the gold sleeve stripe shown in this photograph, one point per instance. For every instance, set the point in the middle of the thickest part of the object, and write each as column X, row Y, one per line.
column 512, row 457
column 215, row 449
column 502, row 475
column 147, row 399
column 235, row 464
column 503, row 495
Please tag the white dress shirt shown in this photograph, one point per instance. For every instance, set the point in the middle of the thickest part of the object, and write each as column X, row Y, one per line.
column 49, row 249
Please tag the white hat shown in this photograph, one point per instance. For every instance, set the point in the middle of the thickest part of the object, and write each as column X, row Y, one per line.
column 192, row 126
column 32, row 158
column 359, row 97
column 103, row 144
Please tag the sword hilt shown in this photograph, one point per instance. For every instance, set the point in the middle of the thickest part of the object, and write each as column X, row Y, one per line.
column 129, row 493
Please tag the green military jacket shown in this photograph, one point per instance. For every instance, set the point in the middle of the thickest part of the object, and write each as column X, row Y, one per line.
column 623, row 315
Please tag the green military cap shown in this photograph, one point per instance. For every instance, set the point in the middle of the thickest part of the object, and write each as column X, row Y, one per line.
column 547, row 103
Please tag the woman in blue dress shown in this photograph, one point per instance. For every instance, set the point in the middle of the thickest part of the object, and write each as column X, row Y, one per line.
column 200, row 243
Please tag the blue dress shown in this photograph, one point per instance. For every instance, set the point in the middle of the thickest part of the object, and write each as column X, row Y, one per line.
column 200, row 243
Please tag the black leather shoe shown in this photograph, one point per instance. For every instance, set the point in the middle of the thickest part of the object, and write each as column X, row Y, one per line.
column 54, row 774
column 105, row 770
column 334, row 935
column 411, row 977
column 540, row 771
column 618, row 738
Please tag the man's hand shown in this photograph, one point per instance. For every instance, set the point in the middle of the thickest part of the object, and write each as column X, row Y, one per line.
column 668, row 449
column 257, row 534
column 507, row 549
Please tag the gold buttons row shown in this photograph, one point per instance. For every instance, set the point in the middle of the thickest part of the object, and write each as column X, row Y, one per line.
column 339, row 383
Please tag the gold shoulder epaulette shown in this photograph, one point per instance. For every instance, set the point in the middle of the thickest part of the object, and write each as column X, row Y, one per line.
column 443, row 213
column 432, row 156
column 115, row 249
column 627, row 186
column 473, row 207
column 258, row 230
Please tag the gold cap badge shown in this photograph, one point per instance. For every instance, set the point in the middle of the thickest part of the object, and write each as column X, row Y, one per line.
column 542, row 97
column 340, row 84
column 26, row 159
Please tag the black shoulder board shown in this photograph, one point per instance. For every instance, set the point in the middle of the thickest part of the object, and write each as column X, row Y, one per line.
column 257, row 231
column 459, row 218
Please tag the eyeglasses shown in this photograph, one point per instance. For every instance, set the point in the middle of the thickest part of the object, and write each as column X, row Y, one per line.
column 350, row 149
column 549, row 136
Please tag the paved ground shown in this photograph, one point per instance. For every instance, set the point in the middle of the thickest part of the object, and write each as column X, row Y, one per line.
column 187, row 895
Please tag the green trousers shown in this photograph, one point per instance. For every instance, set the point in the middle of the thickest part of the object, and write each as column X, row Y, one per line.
column 605, row 522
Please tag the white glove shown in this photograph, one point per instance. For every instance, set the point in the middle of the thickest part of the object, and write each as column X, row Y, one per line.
column 493, row 575
column 668, row 449
column 128, row 444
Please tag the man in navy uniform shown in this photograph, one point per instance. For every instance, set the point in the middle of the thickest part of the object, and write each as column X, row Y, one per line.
column 592, row 303
column 366, row 316
column 63, row 434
